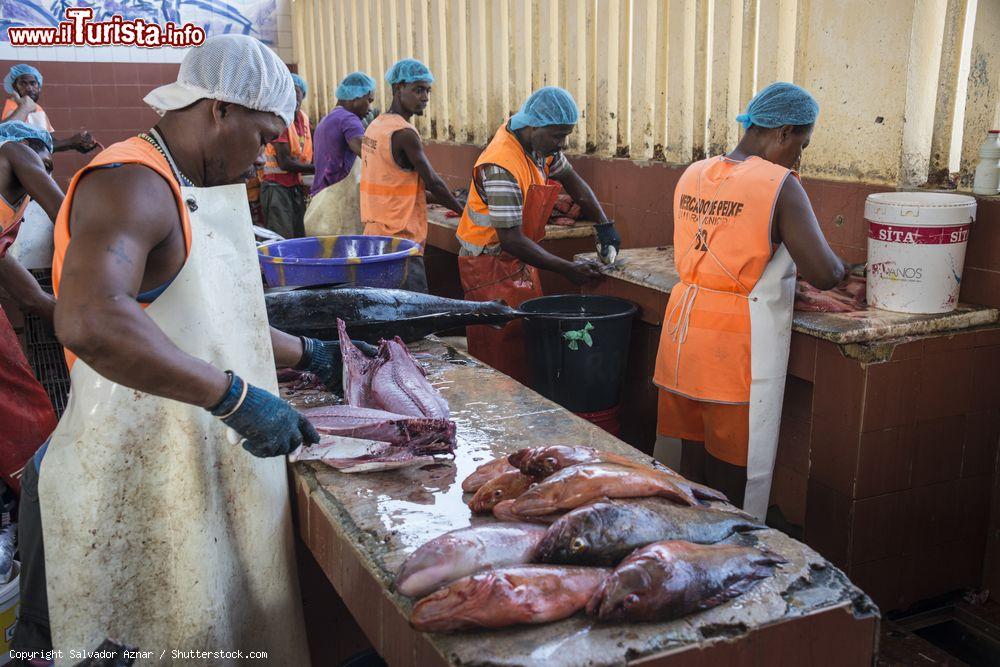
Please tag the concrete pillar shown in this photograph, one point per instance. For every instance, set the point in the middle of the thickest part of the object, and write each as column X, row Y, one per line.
column 982, row 106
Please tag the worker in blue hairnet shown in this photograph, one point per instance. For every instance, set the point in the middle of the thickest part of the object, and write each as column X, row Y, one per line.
column 283, row 192
column 336, row 199
column 510, row 201
column 396, row 177
column 742, row 224
column 24, row 85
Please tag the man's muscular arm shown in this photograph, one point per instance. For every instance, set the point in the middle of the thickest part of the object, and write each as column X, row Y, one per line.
column 119, row 216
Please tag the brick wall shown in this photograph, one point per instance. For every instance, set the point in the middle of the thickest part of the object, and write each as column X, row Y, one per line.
column 639, row 196
column 103, row 97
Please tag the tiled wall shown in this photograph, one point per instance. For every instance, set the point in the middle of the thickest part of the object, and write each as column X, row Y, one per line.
column 103, row 97
column 639, row 196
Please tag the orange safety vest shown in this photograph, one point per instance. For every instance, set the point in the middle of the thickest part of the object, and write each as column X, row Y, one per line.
column 38, row 117
column 723, row 211
column 299, row 145
column 504, row 151
column 393, row 202
column 10, row 222
column 131, row 151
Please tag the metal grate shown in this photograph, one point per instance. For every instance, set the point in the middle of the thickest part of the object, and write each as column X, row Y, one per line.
column 45, row 354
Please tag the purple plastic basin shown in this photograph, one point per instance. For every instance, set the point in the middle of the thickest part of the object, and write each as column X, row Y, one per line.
column 365, row 261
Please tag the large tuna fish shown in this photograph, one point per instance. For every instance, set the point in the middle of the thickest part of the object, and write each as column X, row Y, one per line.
column 374, row 314
column 604, row 532
column 580, row 484
column 667, row 580
column 540, row 462
column 466, row 551
column 508, row 596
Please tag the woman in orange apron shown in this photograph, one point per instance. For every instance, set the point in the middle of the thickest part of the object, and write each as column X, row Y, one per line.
column 741, row 227
column 510, row 201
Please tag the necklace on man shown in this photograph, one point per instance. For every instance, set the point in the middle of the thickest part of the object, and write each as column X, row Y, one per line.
column 154, row 139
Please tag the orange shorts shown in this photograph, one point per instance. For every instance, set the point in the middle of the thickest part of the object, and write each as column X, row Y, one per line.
column 723, row 427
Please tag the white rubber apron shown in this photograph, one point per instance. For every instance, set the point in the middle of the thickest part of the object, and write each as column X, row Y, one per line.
column 771, row 303
column 160, row 530
column 336, row 209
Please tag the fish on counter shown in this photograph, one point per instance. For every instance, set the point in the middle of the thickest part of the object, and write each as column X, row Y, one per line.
column 370, row 424
column 542, row 462
column 508, row 596
column 390, row 381
column 506, row 486
column 373, row 314
column 466, row 551
column 580, row 484
column 847, row 298
column 605, row 532
column 485, row 473
column 355, row 455
column 668, row 580
column 503, row 511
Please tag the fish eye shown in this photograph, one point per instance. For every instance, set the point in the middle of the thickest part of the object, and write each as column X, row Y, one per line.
column 498, row 493
column 578, row 544
column 550, row 460
column 630, row 600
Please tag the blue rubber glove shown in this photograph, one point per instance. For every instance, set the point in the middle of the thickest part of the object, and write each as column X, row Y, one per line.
column 608, row 242
column 270, row 426
column 325, row 361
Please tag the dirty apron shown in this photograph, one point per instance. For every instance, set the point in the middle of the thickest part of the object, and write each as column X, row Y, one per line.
column 489, row 277
column 159, row 529
column 336, row 209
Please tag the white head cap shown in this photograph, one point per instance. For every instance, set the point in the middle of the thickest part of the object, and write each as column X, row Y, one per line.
column 231, row 68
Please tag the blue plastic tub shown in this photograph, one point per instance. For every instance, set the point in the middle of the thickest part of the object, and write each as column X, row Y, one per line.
column 365, row 261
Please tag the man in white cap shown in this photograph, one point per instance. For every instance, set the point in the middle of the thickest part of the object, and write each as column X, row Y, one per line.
column 159, row 530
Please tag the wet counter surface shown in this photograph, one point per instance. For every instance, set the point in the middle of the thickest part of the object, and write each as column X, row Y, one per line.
column 361, row 527
column 654, row 269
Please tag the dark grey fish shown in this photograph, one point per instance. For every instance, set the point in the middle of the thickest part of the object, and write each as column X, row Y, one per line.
column 372, row 314
column 605, row 532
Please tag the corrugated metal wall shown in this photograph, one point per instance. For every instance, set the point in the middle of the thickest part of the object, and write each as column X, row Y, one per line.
column 663, row 79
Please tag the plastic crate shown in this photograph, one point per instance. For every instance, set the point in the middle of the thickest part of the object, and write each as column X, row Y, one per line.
column 45, row 354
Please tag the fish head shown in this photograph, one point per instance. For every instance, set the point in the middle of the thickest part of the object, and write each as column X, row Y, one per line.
column 506, row 486
column 447, row 608
column 428, row 566
column 632, row 591
column 574, row 538
column 545, row 461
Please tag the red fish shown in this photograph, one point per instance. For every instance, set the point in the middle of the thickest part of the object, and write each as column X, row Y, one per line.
column 505, row 486
column 580, row 484
column 508, row 596
column 485, row 473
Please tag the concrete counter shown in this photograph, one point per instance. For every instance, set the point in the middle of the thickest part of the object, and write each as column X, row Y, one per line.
column 360, row 528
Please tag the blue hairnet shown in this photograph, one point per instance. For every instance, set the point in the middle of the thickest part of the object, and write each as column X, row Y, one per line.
column 300, row 83
column 20, row 70
column 780, row 104
column 550, row 105
column 355, row 85
column 16, row 130
column 408, row 70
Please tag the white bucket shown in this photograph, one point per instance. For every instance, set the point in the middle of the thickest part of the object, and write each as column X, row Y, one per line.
column 9, row 599
column 916, row 249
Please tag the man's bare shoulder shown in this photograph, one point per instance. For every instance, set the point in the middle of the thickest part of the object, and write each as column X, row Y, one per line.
column 133, row 198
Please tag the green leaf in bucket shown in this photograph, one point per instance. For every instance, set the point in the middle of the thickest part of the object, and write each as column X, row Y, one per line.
column 574, row 337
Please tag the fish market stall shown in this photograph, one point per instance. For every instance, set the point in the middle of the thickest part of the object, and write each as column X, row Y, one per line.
column 885, row 461
column 361, row 527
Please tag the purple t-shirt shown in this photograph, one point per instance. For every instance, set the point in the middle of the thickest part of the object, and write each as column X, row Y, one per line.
column 331, row 154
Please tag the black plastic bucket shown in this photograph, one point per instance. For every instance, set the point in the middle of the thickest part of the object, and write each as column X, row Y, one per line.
column 579, row 376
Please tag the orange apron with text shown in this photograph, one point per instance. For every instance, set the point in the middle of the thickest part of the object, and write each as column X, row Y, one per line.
column 489, row 277
column 26, row 414
column 393, row 201
column 727, row 326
